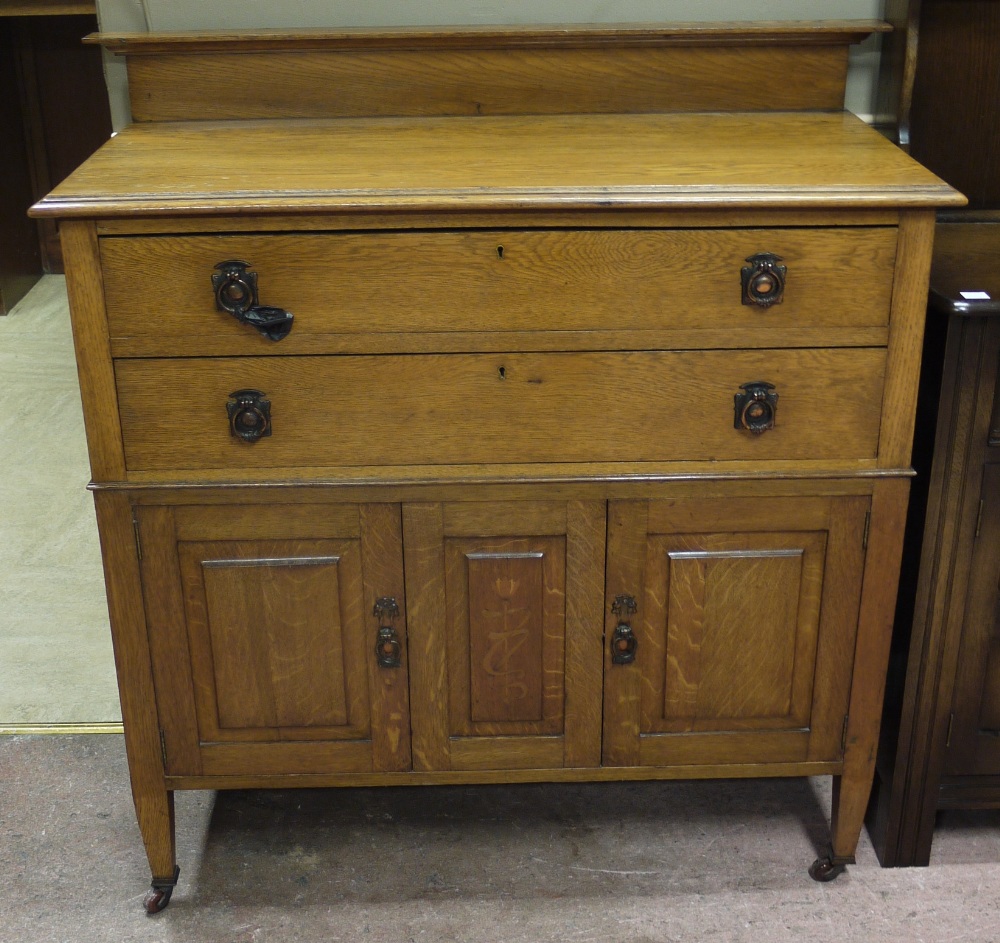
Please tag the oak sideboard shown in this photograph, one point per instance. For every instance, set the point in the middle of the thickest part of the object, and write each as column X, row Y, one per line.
column 485, row 405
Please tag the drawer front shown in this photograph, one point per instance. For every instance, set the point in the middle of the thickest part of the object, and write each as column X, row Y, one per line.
column 356, row 285
column 655, row 406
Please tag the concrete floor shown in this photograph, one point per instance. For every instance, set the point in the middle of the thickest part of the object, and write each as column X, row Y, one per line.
column 616, row 863
column 56, row 663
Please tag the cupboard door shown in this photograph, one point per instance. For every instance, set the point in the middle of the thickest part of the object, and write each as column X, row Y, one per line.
column 263, row 637
column 745, row 622
column 505, row 624
column 974, row 747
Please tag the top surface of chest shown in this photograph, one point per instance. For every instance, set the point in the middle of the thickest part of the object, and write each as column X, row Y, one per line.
column 543, row 162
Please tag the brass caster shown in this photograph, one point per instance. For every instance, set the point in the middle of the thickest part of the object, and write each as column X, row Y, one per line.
column 158, row 895
column 824, row 869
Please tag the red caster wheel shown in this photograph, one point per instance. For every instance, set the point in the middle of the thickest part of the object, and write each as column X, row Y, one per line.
column 160, row 890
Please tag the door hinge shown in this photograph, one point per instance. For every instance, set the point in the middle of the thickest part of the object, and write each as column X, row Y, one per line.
column 868, row 524
column 163, row 748
column 979, row 517
column 138, row 540
column 951, row 726
column 843, row 734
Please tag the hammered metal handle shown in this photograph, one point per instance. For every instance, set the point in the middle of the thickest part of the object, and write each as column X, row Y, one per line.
column 388, row 650
column 249, row 415
column 763, row 280
column 623, row 640
column 623, row 645
column 236, row 294
column 755, row 407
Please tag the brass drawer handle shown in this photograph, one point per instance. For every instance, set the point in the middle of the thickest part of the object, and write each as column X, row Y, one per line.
column 236, row 294
column 756, row 407
column 249, row 415
column 763, row 280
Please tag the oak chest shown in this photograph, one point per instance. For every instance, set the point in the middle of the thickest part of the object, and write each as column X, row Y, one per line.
column 548, row 423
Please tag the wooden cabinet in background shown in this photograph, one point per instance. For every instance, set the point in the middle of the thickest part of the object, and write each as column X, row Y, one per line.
column 940, row 740
column 54, row 114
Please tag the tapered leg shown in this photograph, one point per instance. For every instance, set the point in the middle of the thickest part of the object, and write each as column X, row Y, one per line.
column 154, row 804
column 878, row 603
column 156, row 822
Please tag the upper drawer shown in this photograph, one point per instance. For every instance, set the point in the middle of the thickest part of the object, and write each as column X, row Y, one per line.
column 456, row 409
column 374, row 292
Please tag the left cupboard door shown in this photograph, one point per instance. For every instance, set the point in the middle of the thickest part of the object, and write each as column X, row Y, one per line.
column 278, row 637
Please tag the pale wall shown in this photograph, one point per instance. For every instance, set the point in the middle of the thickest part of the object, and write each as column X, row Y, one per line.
column 143, row 15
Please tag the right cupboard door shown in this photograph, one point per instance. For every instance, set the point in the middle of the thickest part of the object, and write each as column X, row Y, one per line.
column 744, row 614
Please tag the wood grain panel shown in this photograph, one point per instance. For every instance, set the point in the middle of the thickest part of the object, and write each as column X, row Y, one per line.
column 423, row 557
column 287, row 758
column 625, row 576
column 753, row 603
column 871, row 655
column 446, row 282
column 975, row 746
column 906, row 334
column 466, row 409
column 727, row 750
column 506, row 629
column 93, row 353
column 170, row 656
column 276, row 519
column 382, row 565
column 744, row 629
column 483, row 81
column 506, row 642
column 276, row 639
column 586, row 532
column 154, row 805
column 277, row 631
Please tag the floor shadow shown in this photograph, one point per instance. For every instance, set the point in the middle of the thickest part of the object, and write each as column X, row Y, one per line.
column 509, row 842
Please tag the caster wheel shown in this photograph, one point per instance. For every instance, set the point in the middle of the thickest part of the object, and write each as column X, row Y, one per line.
column 823, row 869
column 159, row 893
column 156, row 899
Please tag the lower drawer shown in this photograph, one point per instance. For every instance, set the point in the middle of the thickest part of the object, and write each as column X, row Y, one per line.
column 602, row 406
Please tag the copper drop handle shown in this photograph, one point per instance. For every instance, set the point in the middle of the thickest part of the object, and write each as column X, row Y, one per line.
column 756, row 407
column 623, row 640
column 388, row 649
column 249, row 415
column 236, row 294
column 763, row 280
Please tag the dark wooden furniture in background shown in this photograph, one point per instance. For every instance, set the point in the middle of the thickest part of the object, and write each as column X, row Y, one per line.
column 942, row 730
column 53, row 115
column 941, row 90
column 587, row 454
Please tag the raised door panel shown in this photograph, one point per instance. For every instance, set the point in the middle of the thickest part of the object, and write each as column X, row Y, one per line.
column 974, row 746
column 746, row 614
column 262, row 630
column 505, row 629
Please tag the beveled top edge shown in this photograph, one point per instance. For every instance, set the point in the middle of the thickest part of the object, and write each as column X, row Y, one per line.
column 265, row 203
column 821, row 32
